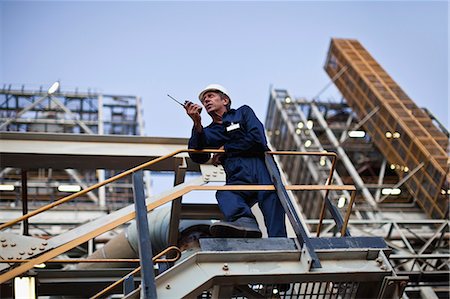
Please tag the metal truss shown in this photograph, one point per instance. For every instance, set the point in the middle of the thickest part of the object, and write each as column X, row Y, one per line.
column 420, row 246
column 289, row 129
column 69, row 112
column 403, row 132
column 66, row 112
column 302, row 125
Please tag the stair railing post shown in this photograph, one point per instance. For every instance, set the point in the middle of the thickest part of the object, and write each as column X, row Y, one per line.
column 148, row 285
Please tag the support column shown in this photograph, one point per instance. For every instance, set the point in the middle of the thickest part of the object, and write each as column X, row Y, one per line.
column 175, row 211
column 24, row 201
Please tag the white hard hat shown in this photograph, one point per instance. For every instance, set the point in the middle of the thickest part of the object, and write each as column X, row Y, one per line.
column 213, row 87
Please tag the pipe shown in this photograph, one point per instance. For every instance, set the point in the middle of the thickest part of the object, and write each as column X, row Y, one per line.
column 125, row 245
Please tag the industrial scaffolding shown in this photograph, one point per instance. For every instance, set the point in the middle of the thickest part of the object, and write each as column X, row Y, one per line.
column 394, row 152
column 53, row 111
column 69, row 113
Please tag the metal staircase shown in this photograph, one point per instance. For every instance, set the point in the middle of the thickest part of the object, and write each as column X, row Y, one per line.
column 286, row 115
column 232, row 268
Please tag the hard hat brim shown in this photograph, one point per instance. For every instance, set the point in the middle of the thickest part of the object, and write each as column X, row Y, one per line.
column 200, row 96
column 214, row 88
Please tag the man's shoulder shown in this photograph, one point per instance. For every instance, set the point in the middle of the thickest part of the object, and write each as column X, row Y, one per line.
column 244, row 108
column 239, row 112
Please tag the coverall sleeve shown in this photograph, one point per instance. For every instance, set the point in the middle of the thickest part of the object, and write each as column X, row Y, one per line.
column 198, row 142
column 252, row 138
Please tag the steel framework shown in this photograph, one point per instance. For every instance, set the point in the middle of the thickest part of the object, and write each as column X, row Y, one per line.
column 385, row 143
column 75, row 112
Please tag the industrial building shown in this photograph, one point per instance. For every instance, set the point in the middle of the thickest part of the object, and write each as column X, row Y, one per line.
column 364, row 182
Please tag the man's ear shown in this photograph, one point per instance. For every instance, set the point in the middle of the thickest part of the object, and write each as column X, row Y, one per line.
column 227, row 101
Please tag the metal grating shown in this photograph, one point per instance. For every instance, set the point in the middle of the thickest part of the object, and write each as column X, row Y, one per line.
column 403, row 132
column 297, row 290
column 323, row 290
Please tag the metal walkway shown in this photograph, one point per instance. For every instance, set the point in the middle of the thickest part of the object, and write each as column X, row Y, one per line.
column 232, row 268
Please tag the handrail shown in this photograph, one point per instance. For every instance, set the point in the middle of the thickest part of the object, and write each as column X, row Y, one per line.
column 86, row 261
column 333, row 164
column 111, row 286
column 139, row 167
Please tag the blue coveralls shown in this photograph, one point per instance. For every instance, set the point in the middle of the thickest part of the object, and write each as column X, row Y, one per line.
column 242, row 135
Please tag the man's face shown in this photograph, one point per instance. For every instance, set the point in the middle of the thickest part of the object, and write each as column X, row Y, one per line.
column 214, row 103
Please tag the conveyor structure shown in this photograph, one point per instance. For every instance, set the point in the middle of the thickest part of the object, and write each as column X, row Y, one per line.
column 404, row 133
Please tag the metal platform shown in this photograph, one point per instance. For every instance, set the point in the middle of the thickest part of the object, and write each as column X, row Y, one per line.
column 263, row 268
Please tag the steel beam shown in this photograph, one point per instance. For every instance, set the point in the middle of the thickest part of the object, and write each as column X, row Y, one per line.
column 78, row 151
column 286, row 202
column 344, row 157
column 175, row 212
column 148, row 287
column 24, row 110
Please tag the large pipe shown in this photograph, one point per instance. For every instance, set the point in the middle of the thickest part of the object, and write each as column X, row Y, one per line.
column 125, row 245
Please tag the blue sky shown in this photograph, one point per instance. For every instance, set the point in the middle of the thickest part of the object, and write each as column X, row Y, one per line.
column 151, row 48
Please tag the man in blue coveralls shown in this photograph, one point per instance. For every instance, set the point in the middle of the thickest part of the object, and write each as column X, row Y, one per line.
column 240, row 133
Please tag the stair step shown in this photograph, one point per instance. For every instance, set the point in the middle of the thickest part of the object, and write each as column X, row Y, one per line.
column 244, row 244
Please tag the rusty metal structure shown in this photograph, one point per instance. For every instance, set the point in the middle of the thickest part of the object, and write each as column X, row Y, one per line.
column 404, row 133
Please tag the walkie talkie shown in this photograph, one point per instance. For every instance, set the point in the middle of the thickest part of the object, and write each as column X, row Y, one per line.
column 185, row 102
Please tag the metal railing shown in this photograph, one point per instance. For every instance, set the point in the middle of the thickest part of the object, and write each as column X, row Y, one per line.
column 83, row 238
column 154, row 259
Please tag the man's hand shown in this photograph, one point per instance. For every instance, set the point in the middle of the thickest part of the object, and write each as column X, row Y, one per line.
column 193, row 110
column 215, row 160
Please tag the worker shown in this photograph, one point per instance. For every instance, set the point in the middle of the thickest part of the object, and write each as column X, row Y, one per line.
column 240, row 133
